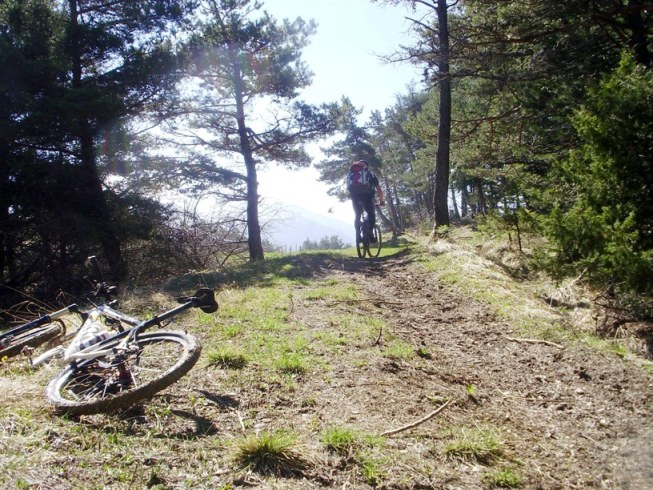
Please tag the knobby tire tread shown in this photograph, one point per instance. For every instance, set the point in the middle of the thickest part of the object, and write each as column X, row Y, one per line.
column 375, row 246
column 132, row 396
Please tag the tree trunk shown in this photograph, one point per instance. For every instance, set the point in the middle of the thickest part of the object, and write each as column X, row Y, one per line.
column 400, row 216
column 482, row 202
column 444, row 128
column 92, row 196
column 254, row 241
column 464, row 201
column 638, row 31
column 389, row 199
column 6, row 247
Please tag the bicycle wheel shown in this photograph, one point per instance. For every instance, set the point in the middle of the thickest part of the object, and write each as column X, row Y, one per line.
column 151, row 363
column 363, row 241
column 14, row 344
column 374, row 249
column 360, row 248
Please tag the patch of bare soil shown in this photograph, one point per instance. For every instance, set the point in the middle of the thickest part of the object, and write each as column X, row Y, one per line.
column 572, row 416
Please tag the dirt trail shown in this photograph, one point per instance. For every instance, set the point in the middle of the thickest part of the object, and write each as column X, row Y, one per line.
column 569, row 416
column 575, row 417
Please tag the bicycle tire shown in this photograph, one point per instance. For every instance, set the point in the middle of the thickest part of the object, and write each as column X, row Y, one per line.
column 374, row 249
column 98, row 385
column 363, row 240
column 360, row 248
column 30, row 338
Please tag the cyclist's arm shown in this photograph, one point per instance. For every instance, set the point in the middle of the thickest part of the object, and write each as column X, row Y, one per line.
column 380, row 194
column 379, row 191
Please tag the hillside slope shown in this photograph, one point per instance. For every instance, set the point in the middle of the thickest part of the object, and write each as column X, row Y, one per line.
column 378, row 346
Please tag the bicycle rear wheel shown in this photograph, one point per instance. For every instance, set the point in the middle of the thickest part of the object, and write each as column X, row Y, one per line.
column 363, row 240
column 151, row 363
column 374, row 249
column 14, row 344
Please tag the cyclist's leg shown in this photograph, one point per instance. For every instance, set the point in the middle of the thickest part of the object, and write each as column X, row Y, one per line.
column 358, row 210
column 368, row 203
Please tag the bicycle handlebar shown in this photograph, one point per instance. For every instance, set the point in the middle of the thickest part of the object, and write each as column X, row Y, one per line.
column 44, row 320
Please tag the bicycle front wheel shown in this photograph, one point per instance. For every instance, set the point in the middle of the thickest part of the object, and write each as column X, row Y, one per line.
column 14, row 344
column 151, row 363
column 374, row 249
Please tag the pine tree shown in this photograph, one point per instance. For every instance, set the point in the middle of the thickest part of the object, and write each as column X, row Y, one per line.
column 602, row 224
column 241, row 101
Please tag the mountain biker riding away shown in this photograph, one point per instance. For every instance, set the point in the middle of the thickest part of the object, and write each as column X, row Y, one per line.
column 362, row 184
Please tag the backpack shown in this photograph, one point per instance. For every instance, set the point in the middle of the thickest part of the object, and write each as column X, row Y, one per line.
column 358, row 179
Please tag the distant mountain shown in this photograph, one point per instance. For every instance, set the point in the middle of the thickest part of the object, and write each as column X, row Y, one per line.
column 292, row 229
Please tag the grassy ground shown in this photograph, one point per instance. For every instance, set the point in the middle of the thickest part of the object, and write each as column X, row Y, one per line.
column 430, row 367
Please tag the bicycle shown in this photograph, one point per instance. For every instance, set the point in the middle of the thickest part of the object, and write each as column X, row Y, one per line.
column 34, row 333
column 107, row 370
column 25, row 338
column 366, row 245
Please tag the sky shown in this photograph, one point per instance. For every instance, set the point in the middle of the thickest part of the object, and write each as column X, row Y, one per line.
column 344, row 56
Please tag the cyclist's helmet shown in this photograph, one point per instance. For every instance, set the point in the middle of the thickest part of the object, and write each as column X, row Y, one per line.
column 364, row 162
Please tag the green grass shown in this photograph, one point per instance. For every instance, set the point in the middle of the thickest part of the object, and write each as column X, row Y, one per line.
column 481, row 443
column 291, row 363
column 399, row 351
column 340, row 440
column 270, row 454
column 503, row 478
column 256, row 333
column 227, row 357
column 360, row 449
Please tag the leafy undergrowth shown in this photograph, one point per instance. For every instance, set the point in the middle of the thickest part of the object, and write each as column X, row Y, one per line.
column 434, row 366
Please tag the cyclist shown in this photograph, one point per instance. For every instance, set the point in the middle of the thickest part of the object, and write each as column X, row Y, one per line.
column 362, row 184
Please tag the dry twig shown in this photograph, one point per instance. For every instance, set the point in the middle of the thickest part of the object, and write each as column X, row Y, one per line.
column 240, row 420
column 536, row 341
column 420, row 421
column 367, row 300
column 378, row 338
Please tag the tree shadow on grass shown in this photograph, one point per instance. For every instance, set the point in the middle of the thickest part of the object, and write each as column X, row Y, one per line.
column 299, row 268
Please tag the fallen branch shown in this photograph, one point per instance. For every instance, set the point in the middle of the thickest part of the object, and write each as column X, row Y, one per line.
column 378, row 338
column 378, row 302
column 420, row 421
column 240, row 420
column 536, row 341
column 367, row 300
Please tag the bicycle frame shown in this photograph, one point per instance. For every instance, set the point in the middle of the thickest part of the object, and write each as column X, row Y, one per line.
column 94, row 337
column 76, row 352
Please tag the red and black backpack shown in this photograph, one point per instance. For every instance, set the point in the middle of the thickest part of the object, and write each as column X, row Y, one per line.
column 358, row 179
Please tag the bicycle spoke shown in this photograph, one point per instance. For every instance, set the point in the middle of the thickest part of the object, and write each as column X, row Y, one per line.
column 138, row 370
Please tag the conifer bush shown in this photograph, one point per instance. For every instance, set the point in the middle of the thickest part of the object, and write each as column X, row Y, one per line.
column 602, row 222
